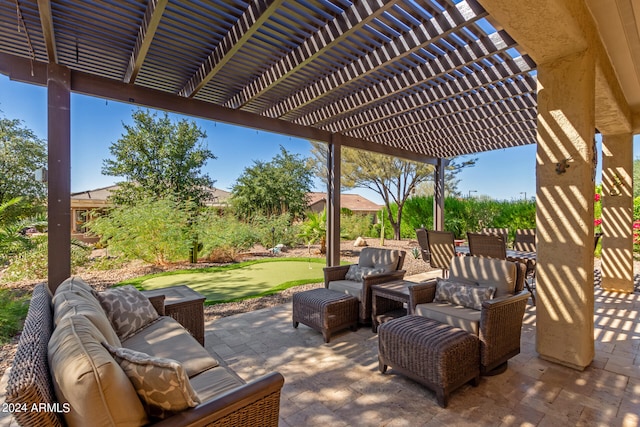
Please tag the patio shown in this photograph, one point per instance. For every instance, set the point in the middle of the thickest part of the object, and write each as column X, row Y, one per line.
column 339, row 383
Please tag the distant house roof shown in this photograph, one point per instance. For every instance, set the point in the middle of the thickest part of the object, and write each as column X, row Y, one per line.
column 353, row 202
column 99, row 196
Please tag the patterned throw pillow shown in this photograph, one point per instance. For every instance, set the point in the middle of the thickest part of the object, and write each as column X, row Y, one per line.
column 462, row 292
column 127, row 309
column 357, row 273
column 473, row 296
column 162, row 384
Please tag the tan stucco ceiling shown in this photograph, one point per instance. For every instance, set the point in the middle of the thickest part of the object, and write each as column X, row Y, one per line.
column 619, row 28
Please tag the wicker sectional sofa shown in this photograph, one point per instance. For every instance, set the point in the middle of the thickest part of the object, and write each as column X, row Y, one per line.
column 87, row 368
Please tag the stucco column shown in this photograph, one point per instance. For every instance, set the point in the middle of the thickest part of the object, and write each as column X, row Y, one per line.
column 564, row 215
column 617, row 213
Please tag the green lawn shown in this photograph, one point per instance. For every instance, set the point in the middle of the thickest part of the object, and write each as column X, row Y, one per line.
column 239, row 281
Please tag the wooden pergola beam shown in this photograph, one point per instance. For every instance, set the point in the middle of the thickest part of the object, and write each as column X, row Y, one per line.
column 46, row 21
column 146, row 32
column 20, row 69
column 256, row 15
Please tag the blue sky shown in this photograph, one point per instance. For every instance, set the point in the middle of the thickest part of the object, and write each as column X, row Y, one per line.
column 96, row 123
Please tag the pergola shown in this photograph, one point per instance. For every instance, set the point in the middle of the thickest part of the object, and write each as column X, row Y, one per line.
column 419, row 79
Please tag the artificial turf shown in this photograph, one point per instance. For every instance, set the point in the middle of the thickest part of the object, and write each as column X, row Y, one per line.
column 239, row 281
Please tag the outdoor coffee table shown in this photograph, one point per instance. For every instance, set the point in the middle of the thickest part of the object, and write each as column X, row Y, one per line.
column 388, row 301
column 186, row 306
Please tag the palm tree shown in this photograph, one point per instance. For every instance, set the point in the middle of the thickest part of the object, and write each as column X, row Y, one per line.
column 314, row 229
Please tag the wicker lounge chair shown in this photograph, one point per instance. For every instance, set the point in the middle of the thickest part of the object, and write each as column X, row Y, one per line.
column 497, row 324
column 441, row 249
column 340, row 278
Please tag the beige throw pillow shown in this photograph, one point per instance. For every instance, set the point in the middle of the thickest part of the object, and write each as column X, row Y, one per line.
column 127, row 309
column 162, row 384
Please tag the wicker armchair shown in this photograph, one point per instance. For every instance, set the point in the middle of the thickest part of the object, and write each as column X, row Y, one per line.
column 487, row 245
column 423, row 241
column 504, row 232
column 441, row 249
column 525, row 240
column 499, row 323
column 335, row 278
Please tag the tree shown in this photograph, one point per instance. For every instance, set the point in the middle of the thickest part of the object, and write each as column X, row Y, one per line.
column 394, row 179
column 273, row 188
column 21, row 154
column 159, row 159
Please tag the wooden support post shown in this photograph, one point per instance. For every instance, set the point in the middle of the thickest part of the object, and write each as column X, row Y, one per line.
column 59, row 183
column 334, row 159
column 438, row 196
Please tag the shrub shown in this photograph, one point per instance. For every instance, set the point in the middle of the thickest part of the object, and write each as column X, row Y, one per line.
column 13, row 310
column 223, row 236
column 284, row 231
column 33, row 263
column 155, row 231
column 354, row 225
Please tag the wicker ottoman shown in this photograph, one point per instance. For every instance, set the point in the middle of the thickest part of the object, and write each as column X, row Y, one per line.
column 435, row 354
column 325, row 311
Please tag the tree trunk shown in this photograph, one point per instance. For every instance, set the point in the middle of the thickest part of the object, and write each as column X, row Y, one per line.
column 395, row 224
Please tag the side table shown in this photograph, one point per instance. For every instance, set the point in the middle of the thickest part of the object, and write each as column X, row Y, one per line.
column 186, row 306
column 388, row 301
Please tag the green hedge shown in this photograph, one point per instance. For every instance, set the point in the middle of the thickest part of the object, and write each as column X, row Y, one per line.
column 462, row 215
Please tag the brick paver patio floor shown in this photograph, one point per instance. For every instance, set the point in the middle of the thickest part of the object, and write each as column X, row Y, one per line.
column 338, row 384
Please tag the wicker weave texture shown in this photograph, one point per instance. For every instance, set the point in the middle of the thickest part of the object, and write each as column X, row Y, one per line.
column 262, row 412
column 441, row 248
column 191, row 316
column 325, row 311
column 441, row 357
column 487, row 245
column 29, row 382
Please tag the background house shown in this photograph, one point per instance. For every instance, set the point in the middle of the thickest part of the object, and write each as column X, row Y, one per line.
column 354, row 202
column 87, row 204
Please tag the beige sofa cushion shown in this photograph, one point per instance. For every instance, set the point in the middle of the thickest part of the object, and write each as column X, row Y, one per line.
column 127, row 309
column 378, row 258
column 348, row 287
column 70, row 303
column 162, row 384
column 75, row 284
column 486, row 272
column 464, row 318
column 214, row 382
column 166, row 338
column 87, row 377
